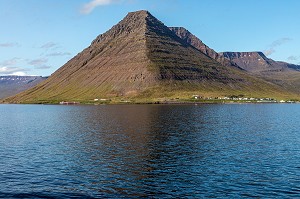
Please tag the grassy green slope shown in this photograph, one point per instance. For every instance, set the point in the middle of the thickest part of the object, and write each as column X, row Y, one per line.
column 141, row 60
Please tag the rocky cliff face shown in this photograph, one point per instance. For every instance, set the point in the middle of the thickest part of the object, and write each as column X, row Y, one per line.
column 178, row 60
column 285, row 75
column 138, row 53
column 11, row 85
column 249, row 61
column 141, row 56
column 191, row 39
column 257, row 62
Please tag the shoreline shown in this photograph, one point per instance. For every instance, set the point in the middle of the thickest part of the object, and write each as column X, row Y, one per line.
column 200, row 102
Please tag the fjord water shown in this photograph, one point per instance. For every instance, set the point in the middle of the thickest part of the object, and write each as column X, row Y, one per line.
column 156, row 151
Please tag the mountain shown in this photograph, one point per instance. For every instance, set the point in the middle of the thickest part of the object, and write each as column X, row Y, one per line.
column 194, row 41
column 290, row 66
column 139, row 58
column 252, row 61
column 281, row 73
column 257, row 62
column 249, row 61
column 11, row 85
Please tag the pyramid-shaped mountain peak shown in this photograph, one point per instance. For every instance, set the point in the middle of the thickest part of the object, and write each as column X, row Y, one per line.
column 136, row 56
column 135, row 19
column 139, row 13
column 134, row 23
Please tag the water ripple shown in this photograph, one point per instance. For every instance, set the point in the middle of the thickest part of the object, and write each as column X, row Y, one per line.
column 162, row 151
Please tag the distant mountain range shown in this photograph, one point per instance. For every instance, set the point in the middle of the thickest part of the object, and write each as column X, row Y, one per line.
column 11, row 85
column 249, row 61
column 257, row 62
column 142, row 59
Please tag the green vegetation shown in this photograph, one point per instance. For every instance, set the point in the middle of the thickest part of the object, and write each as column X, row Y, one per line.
column 140, row 60
column 168, row 92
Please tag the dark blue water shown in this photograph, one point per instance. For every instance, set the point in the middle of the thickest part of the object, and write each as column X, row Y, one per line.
column 151, row 151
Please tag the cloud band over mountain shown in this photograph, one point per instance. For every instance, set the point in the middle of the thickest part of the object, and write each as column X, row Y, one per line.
column 275, row 44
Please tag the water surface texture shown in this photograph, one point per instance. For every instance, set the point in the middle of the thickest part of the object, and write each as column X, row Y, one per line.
column 152, row 151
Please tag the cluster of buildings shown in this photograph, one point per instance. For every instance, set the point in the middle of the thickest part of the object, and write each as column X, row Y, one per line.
column 244, row 99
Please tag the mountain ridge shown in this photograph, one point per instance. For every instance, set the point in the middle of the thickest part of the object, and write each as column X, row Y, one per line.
column 280, row 73
column 11, row 85
column 191, row 39
column 141, row 57
column 250, row 61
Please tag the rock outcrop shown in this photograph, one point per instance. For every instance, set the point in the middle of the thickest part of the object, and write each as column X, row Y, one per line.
column 191, row 39
column 141, row 56
column 257, row 62
column 138, row 53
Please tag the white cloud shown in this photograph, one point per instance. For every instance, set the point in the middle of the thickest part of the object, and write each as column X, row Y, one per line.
column 9, row 62
column 49, row 45
column 19, row 74
column 42, row 67
column 37, row 62
column 280, row 41
column 58, row 54
column 269, row 52
column 275, row 44
column 89, row 7
column 7, row 45
column 12, row 70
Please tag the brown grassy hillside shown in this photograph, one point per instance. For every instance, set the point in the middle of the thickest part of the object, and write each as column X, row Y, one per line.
column 142, row 59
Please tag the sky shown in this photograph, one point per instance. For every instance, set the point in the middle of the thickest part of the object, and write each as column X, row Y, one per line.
column 39, row 36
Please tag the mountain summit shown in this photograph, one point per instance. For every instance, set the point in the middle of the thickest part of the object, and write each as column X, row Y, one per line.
column 257, row 62
column 138, row 56
column 252, row 61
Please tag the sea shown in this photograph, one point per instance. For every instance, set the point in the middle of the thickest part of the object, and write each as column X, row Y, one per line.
column 150, row 151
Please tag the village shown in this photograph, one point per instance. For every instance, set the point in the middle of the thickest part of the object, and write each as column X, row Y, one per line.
column 192, row 99
column 243, row 99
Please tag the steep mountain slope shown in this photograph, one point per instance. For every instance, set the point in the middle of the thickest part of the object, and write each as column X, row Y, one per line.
column 281, row 73
column 178, row 60
column 249, row 61
column 11, row 85
column 140, row 57
column 252, row 61
column 191, row 39
column 257, row 62
column 115, row 63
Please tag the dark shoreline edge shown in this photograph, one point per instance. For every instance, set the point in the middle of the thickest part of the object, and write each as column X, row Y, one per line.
column 157, row 103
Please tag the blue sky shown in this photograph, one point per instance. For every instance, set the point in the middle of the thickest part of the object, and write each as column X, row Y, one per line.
column 39, row 36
